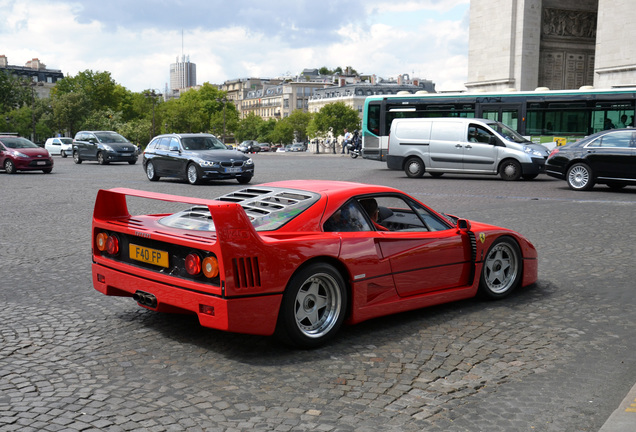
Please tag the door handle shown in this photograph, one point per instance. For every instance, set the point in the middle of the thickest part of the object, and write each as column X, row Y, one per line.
column 458, row 146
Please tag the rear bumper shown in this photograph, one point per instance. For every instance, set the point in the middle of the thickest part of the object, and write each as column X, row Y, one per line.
column 251, row 315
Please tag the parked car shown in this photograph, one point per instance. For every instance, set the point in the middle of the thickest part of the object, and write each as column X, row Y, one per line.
column 195, row 158
column 607, row 157
column 249, row 146
column 299, row 258
column 462, row 145
column 62, row 146
column 20, row 154
column 265, row 147
column 104, row 147
column 298, row 147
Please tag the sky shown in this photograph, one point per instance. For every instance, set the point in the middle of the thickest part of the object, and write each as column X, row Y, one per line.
column 137, row 40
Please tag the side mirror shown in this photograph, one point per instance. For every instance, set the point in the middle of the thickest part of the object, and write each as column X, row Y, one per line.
column 463, row 224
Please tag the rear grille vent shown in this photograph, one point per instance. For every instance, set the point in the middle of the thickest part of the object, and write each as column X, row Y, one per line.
column 246, row 272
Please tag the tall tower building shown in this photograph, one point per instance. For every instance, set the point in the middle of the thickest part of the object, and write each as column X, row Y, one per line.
column 183, row 74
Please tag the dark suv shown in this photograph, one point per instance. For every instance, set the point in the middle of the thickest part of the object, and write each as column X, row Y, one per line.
column 103, row 147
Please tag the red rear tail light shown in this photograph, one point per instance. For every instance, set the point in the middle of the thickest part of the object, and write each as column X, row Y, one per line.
column 193, row 264
column 112, row 245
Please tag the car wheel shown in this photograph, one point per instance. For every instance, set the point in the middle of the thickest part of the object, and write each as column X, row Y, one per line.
column 530, row 176
column 414, row 167
column 502, row 269
column 579, row 177
column 76, row 157
column 510, row 170
column 244, row 179
column 313, row 307
column 192, row 173
column 132, row 162
column 9, row 166
column 436, row 174
column 101, row 159
column 47, row 170
column 63, row 153
column 150, row 172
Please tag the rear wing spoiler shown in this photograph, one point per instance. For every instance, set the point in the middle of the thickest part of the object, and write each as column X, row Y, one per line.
column 233, row 228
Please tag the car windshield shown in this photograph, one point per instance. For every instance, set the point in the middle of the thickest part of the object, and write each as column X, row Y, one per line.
column 202, row 143
column 17, row 143
column 110, row 137
column 507, row 133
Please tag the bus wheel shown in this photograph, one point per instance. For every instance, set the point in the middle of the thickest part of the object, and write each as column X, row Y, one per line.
column 510, row 170
column 414, row 167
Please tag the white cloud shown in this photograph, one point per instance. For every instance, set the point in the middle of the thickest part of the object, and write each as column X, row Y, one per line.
column 427, row 38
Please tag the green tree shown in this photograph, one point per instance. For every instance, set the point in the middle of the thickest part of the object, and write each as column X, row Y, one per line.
column 335, row 118
column 299, row 121
column 69, row 111
column 283, row 132
column 248, row 128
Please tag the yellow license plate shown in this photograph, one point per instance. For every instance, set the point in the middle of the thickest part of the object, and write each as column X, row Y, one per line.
column 148, row 255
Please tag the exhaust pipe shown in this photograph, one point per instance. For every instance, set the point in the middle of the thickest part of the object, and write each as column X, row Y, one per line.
column 145, row 299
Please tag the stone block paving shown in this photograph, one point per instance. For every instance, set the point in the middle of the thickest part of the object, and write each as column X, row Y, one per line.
column 72, row 359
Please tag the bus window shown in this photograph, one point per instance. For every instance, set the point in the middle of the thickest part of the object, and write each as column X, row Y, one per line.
column 373, row 118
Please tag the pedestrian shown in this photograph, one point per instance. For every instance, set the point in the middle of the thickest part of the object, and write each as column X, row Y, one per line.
column 347, row 141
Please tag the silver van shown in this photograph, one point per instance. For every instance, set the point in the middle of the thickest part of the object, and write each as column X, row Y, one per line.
column 462, row 145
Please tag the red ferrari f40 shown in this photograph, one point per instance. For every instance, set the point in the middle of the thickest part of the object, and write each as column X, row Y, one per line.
column 297, row 259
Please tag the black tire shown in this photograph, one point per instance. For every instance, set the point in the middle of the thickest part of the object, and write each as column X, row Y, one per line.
column 63, row 154
column 9, row 166
column 580, row 177
column 47, row 170
column 436, row 174
column 510, row 170
column 502, row 269
column 414, row 167
column 530, row 176
column 101, row 159
column 244, row 179
column 132, row 162
column 76, row 157
column 150, row 172
column 314, row 306
column 192, row 174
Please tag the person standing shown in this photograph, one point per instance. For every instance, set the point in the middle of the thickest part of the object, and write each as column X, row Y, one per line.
column 347, row 141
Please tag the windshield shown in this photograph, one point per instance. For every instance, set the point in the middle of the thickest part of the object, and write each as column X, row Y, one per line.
column 18, row 143
column 110, row 137
column 202, row 143
column 507, row 133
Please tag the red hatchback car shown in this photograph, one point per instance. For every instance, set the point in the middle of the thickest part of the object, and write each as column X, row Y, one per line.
column 300, row 258
column 20, row 154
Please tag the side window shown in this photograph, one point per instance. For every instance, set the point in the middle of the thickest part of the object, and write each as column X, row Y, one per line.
column 347, row 219
column 477, row 133
column 617, row 139
column 163, row 143
column 174, row 144
column 396, row 213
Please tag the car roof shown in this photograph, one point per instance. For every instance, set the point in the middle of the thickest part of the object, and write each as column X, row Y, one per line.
column 331, row 188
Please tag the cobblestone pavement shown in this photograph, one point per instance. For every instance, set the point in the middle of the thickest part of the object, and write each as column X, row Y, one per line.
column 557, row 356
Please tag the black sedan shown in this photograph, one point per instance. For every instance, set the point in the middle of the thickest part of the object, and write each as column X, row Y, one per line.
column 195, row 158
column 607, row 157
